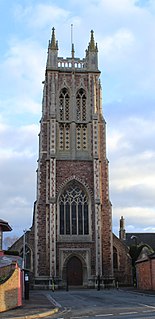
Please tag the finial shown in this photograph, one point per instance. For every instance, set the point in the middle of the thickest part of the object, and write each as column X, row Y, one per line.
column 92, row 46
column 92, row 42
column 72, row 44
column 73, row 51
column 53, row 40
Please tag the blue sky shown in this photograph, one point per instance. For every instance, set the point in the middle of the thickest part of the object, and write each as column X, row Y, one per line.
column 124, row 31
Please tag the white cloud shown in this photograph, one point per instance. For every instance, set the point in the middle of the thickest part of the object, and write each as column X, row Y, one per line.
column 123, row 30
column 22, row 71
column 41, row 15
column 137, row 219
column 18, row 142
column 118, row 45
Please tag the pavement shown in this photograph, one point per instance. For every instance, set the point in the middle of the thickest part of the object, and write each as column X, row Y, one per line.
column 138, row 291
column 40, row 305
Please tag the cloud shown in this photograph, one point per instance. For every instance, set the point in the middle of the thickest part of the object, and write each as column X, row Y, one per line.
column 137, row 219
column 131, row 152
column 40, row 15
column 22, row 71
column 18, row 142
column 132, row 136
column 123, row 31
column 118, row 44
column 18, row 155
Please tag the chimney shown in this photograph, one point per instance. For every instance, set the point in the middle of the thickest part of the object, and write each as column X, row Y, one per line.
column 122, row 234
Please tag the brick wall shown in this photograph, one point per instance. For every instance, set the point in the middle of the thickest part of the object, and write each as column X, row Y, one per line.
column 11, row 292
column 80, row 169
column 153, row 273
column 123, row 274
column 145, row 270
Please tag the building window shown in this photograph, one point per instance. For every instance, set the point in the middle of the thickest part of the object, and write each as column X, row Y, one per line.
column 73, row 211
column 64, row 105
column 64, row 137
column 81, row 137
column 81, row 105
column 115, row 258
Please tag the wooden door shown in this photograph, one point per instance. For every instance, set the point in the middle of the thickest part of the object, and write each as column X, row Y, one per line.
column 74, row 272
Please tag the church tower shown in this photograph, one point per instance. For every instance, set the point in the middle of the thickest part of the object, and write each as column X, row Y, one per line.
column 72, row 216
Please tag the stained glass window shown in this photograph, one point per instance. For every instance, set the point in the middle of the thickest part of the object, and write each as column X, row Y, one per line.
column 73, row 211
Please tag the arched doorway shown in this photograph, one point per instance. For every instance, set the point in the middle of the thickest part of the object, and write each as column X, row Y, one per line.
column 74, row 272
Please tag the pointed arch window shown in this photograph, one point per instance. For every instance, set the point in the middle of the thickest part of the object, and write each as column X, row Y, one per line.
column 73, row 211
column 64, row 105
column 81, row 105
column 115, row 258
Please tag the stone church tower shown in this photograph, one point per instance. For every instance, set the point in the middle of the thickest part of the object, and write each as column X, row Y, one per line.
column 72, row 215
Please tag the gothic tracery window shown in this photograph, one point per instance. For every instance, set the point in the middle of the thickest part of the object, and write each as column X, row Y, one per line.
column 64, row 105
column 81, row 127
column 73, row 211
column 81, row 105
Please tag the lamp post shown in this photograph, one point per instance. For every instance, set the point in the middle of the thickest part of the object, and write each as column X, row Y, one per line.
column 24, row 231
column 133, row 254
column 25, row 273
column 24, row 247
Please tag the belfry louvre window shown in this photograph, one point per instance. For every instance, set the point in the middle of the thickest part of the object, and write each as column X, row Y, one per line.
column 64, row 137
column 81, row 137
column 73, row 208
column 64, row 105
column 81, row 105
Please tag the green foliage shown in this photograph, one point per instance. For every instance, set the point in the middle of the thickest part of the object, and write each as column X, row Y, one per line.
column 3, row 279
column 135, row 251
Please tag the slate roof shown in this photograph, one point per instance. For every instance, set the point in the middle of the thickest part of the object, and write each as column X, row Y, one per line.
column 5, row 226
column 145, row 238
column 6, row 260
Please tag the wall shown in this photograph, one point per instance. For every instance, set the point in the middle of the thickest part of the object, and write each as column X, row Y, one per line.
column 123, row 273
column 29, row 242
column 6, row 270
column 145, row 270
column 11, row 291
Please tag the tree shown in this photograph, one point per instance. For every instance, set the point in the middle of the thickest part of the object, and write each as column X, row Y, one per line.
column 9, row 241
column 135, row 251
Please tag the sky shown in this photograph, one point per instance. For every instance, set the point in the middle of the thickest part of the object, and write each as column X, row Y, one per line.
column 125, row 33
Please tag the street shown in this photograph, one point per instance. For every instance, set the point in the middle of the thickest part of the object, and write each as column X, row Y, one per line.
column 118, row 304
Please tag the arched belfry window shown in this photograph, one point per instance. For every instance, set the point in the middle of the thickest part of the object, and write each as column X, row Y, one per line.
column 73, row 210
column 64, row 105
column 115, row 258
column 81, row 105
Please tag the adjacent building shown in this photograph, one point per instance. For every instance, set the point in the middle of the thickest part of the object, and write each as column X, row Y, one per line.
column 4, row 226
